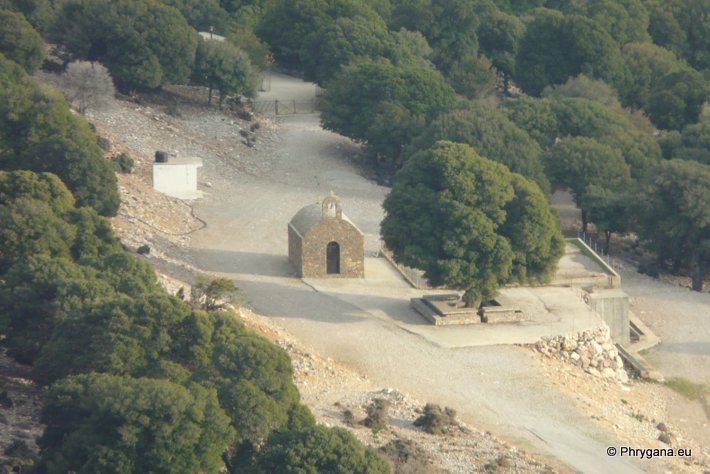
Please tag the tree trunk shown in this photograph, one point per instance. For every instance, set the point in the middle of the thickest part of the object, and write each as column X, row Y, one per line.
column 607, row 239
column 584, row 222
column 471, row 298
column 698, row 269
column 209, row 100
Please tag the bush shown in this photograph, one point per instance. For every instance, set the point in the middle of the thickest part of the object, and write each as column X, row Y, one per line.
column 348, row 418
column 103, row 143
column 317, row 449
column 377, row 414
column 245, row 115
column 435, row 420
column 212, row 294
column 406, row 457
column 123, row 163
column 143, row 249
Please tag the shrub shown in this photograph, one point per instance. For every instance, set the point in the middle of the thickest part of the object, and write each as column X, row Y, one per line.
column 103, row 143
column 87, row 84
column 348, row 418
column 143, row 249
column 435, row 420
column 377, row 414
column 212, row 294
column 406, row 457
column 123, row 163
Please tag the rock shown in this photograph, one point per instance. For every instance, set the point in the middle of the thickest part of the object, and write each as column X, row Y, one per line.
column 595, row 348
column 505, row 461
column 569, row 344
column 574, row 356
column 608, row 373
column 593, row 371
column 667, row 438
column 621, row 376
column 662, row 427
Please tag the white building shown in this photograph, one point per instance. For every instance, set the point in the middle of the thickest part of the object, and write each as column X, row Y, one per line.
column 177, row 177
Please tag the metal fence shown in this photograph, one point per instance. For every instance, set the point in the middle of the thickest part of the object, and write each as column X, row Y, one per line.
column 285, row 107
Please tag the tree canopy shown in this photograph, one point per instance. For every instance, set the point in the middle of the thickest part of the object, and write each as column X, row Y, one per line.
column 143, row 43
column 556, row 47
column 580, row 162
column 492, row 135
column 221, row 65
column 106, row 423
column 363, row 90
column 317, row 450
column 673, row 215
column 19, row 41
column 39, row 133
column 466, row 221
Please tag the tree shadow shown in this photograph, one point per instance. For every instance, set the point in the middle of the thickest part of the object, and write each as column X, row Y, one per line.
column 252, row 263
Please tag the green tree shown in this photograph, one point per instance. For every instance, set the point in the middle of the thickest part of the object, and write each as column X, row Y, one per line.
column 253, row 378
column 40, row 13
column 290, row 26
column 358, row 92
column 448, row 25
column 649, row 63
column 682, row 26
column 20, row 42
column 536, row 116
column 446, row 214
column 39, row 133
column 221, row 65
column 143, row 43
column 492, row 135
column 608, row 209
column 317, row 450
column 117, row 335
column 104, row 423
column 533, row 233
column 338, row 42
column 259, row 54
column 692, row 144
column 677, row 99
column 208, row 293
column 625, row 20
column 473, row 76
column 45, row 187
column 580, row 162
column 499, row 36
column 35, row 294
column 556, row 47
column 203, row 14
column 585, row 88
column 673, row 215
column 28, row 227
column 585, row 118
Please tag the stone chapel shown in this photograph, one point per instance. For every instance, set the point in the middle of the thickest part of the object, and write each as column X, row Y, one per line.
column 324, row 243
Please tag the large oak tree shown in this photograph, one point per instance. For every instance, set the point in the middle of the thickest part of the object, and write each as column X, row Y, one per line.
column 469, row 223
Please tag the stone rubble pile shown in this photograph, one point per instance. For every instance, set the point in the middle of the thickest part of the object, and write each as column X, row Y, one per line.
column 592, row 350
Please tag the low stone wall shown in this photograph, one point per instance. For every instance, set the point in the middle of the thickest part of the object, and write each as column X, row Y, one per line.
column 591, row 350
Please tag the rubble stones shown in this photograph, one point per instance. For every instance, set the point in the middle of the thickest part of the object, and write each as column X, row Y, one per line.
column 591, row 350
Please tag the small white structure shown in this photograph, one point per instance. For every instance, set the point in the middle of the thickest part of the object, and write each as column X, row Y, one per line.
column 177, row 177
